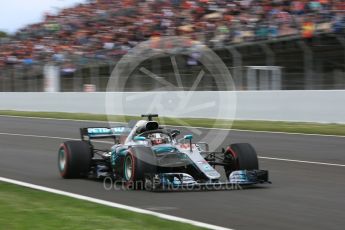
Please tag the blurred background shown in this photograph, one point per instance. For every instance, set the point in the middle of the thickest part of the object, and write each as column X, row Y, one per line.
column 265, row 44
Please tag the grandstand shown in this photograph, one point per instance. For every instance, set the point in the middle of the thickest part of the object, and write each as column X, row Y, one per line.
column 303, row 39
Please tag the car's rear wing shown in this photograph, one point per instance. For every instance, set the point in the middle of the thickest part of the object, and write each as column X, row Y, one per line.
column 103, row 132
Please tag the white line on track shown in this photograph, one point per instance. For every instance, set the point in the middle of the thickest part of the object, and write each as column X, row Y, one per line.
column 301, row 161
column 51, row 137
column 113, row 204
column 38, row 136
column 237, row 130
column 109, row 142
column 58, row 119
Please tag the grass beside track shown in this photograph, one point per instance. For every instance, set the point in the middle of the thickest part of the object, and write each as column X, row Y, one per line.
column 274, row 126
column 24, row 208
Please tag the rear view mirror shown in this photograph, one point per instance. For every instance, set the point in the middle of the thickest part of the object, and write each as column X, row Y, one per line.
column 188, row 137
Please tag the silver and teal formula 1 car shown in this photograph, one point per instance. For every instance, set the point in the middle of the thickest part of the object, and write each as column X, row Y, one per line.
column 149, row 156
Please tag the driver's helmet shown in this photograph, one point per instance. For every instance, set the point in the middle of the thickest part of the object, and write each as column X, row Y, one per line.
column 158, row 138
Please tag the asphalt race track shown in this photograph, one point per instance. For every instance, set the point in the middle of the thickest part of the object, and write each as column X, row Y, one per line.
column 303, row 195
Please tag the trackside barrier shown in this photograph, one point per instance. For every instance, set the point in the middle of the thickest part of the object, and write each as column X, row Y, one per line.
column 305, row 106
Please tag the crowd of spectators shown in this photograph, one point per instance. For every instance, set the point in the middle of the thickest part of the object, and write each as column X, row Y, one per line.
column 107, row 29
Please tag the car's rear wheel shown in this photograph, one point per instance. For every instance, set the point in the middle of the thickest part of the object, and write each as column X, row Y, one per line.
column 240, row 156
column 74, row 159
column 138, row 162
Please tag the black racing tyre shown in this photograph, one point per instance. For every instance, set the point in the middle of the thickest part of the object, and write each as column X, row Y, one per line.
column 138, row 162
column 240, row 156
column 74, row 159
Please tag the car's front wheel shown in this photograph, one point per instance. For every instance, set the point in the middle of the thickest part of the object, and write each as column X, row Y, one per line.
column 240, row 156
column 138, row 162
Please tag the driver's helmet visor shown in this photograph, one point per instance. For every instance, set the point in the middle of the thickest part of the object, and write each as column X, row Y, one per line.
column 159, row 138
